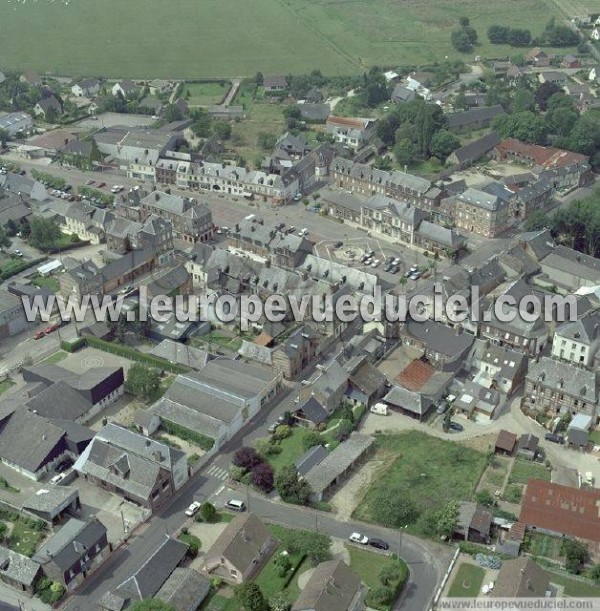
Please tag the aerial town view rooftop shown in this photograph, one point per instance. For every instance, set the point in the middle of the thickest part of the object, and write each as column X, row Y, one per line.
column 299, row 305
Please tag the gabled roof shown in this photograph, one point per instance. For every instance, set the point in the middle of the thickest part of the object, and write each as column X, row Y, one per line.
column 506, row 441
column 474, row 115
column 310, row 459
column 478, row 148
column 521, row 578
column 313, row 411
column 18, row 568
column 184, row 589
column 570, row 379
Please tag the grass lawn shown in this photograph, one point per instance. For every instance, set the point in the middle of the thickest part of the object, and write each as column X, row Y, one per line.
column 524, row 470
column 292, row 449
column 205, row 94
column 5, row 385
column 190, row 540
column 575, row 588
column 467, row 581
column 263, row 117
column 435, row 471
column 24, row 539
column 545, row 545
column 594, row 437
column 268, row 580
column 56, row 357
column 367, row 566
column 48, row 282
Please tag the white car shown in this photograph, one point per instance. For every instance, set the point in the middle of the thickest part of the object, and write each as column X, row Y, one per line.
column 193, row 509
column 414, row 268
column 58, row 478
column 375, row 263
column 358, row 538
column 116, row 189
column 303, row 232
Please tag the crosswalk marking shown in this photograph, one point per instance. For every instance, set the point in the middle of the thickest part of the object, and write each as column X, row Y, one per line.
column 218, row 472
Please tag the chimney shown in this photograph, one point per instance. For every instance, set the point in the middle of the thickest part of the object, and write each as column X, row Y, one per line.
column 156, row 196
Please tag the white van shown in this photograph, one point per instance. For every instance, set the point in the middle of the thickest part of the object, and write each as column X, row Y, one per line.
column 236, row 505
column 381, row 409
column 250, row 217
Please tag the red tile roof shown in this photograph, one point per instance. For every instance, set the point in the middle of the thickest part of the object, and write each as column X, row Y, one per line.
column 347, row 122
column 547, row 157
column 562, row 509
column 415, row 375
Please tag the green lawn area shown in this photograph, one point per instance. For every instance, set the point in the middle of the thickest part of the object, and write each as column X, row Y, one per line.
column 467, row 581
column 5, row 385
column 24, row 539
column 594, row 437
column 291, row 449
column 56, row 357
column 268, row 579
column 49, row 282
column 575, row 588
column 224, row 339
column 367, row 566
column 544, row 545
column 205, row 94
column 263, row 117
column 190, row 540
column 524, row 470
column 435, row 471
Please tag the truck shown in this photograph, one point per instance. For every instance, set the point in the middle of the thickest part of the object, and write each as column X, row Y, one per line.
column 381, row 409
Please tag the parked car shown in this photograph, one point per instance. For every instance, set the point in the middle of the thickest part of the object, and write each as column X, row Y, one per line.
column 375, row 263
column 303, row 232
column 58, row 478
column 414, row 268
column 64, row 465
column 193, row 509
column 126, row 289
column 297, row 197
column 395, row 269
column 358, row 538
column 273, row 427
column 235, row 505
column 39, row 335
column 279, row 226
column 17, row 253
column 442, row 406
column 101, row 185
column 454, row 426
column 89, row 182
column 50, row 328
column 379, row 544
column 388, row 267
column 291, row 229
column 554, row 438
column 338, row 244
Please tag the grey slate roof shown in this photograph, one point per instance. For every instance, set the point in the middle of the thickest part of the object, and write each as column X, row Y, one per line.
column 70, row 542
column 439, row 337
column 311, row 458
column 182, row 354
column 584, row 330
column 440, row 235
column 409, row 400
column 475, row 115
column 59, row 401
column 184, row 589
column 17, row 567
column 568, row 378
column 49, row 498
column 338, row 461
column 473, row 151
column 480, row 199
column 314, row 411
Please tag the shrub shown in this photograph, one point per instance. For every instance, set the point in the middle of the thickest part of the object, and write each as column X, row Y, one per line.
column 263, row 477
column 73, row 345
column 236, row 473
column 208, row 512
column 282, row 432
column 247, row 458
column 202, row 441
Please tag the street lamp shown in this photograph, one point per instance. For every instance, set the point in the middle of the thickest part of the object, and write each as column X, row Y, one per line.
column 400, row 539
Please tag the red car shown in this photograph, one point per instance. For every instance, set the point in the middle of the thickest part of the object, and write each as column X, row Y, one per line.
column 39, row 335
column 50, row 329
column 101, row 185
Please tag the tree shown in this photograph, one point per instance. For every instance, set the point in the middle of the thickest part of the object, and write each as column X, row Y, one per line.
column 45, row 233
column 537, row 220
column 544, row 92
column 290, row 488
column 443, row 144
column 262, row 477
column 3, row 138
column 142, row 381
column 316, row 546
column 250, row 596
column 461, row 41
column 282, row 565
column 522, row 125
column 151, row 604
column 279, row 602
column 266, row 141
column 389, row 573
column 464, row 21
column 498, row 34
column 11, row 228
column 208, row 512
column 259, row 78
column 393, row 507
column 382, row 595
column 4, row 240
column 221, row 130
column 523, row 100
column 576, row 554
column 172, row 113
column 446, row 519
column 519, row 38
column 247, row 458
column 594, row 573
column 460, row 101
column 283, row 431
column 471, row 33
column 311, row 439
column 405, row 152
column 562, row 36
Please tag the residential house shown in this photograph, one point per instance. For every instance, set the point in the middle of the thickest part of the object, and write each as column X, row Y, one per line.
column 336, row 466
column 506, row 443
column 73, row 552
column 275, row 83
column 49, row 108
column 351, row 132
column 476, row 211
column 314, row 96
column 54, row 504
column 294, row 354
column 16, row 122
column 329, row 384
column 578, row 341
column 311, row 414
column 556, row 388
column 142, row 470
column 553, row 76
column 12, row 315
column 185, row 589
column 315, row 113
column 31, row 78
column 570, row 61
column 333, row 586
column 522, row 578
column 240, row 551
column 88, row 222
column 475, row 118
column 149, row 578
column 561, row 511
column 402, row 94
column 569, row 268
column 159, row 86
column 539, row 58
column 219, row 399
column 476, row 401
column 366, row 384
column 408, row 402
column 473, row 523
column 497, row 367
column 125, row 88
column 19, row 571
column 87, row 88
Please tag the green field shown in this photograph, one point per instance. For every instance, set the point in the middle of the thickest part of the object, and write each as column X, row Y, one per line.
column 228, row 38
